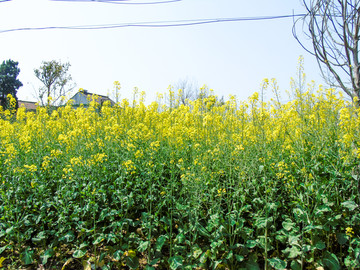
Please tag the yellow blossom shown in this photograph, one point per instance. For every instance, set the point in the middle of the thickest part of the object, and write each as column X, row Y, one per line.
column 2, row 259
column 349, row 232
column 130, row 253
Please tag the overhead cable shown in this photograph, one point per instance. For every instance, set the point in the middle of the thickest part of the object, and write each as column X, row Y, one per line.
column 122, row 2
column 154, row 24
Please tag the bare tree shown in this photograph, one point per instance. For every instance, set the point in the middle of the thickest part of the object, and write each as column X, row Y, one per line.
column 183, row 91
column 333, row 29
column 188, row 90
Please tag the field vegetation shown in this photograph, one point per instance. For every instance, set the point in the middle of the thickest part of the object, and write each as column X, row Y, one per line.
column 205, row 185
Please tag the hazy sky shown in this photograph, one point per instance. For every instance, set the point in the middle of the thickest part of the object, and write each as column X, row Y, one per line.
column 231, row 57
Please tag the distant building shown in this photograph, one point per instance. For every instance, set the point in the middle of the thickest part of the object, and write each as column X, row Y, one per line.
column 29, row 105
column 84, row 97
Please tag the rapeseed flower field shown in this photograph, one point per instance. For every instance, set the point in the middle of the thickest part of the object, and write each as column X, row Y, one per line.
column 202, row 185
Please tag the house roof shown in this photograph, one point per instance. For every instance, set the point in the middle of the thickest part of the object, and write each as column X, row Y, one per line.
column 88, row 95
column 86, row 92
column 29, row 105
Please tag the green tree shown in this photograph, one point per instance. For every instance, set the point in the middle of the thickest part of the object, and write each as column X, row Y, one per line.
column 56, row 80
column 9, row 84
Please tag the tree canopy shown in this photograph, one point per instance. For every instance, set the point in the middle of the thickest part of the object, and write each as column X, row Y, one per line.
column 56, row 80
column 9, row 84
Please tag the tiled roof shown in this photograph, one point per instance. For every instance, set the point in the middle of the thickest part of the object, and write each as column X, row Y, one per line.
column 29, row 105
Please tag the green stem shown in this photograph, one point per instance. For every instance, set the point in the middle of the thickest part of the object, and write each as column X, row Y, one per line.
column 150, row 216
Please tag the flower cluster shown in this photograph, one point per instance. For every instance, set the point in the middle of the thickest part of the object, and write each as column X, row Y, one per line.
column 243, row 169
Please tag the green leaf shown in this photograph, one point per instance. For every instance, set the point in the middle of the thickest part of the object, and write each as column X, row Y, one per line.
column 322, row 209
column 10, row 230
column 306, row 248
column 105, row 267
column 277, row 263
column 181, row 206
column 143, row 246
column 349, row 205
column 47, row 254
column 331, row 261
column 319, row 244
column 230, row 255
column 288, row 225
column 282, row 238
column 83, row 245
column 294, row 239
column 155, row 261
column 293, row 252
column 252, row 265
column 176, row 262
column 69, row 237
column 341, row 238
column 160, row 242
column 251, row 243
column 353, row 262
column 204, row 256
column 203, row 231
column 3, row 248
column 117, row 255
column 239, row 258
column 180, row 238
column 40, row 236
column 27, row 256
column 111, row 237
column 295, row 265
column 197, row 252
column 98, row 240
column 79, row 253
column 263, row 222
column 132, row 262
column 312, row 227
column 299, row 213
column 216, row 244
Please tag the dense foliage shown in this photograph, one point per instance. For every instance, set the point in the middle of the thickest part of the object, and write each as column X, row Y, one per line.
column 9, row 83
column 250, row 185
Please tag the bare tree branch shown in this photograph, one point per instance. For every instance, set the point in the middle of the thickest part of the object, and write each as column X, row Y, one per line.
column 332, row 27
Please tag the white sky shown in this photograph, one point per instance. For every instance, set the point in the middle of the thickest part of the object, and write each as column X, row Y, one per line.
column 231, row 58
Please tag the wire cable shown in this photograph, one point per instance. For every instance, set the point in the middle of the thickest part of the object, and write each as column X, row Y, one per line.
column 156, row 24
column 122, row 2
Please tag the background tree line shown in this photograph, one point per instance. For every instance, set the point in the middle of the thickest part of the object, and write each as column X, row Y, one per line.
column 54, row 76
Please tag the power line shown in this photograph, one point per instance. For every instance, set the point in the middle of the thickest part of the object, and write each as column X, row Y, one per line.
column 121, row 2
column 156, row 24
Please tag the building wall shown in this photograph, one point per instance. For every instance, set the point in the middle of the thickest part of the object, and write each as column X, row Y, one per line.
column 80, row 98
column 29, row 105
column 85, row 98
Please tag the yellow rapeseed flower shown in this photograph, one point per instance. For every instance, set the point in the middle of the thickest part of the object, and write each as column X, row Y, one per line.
column 130, row 253
column 349, row 232
column 2, row 259
column 221, row 191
